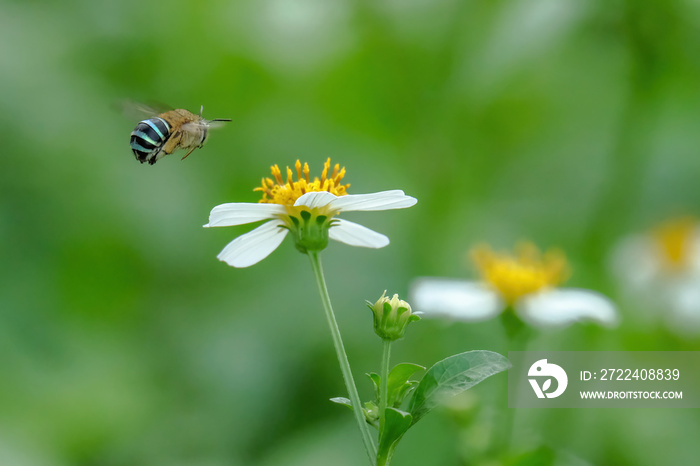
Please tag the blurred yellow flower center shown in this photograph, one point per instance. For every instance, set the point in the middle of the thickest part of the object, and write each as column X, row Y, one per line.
column 675, row 240
column 278, row 191
column 522, row 273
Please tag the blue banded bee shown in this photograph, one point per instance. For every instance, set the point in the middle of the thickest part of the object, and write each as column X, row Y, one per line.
column 160, row 135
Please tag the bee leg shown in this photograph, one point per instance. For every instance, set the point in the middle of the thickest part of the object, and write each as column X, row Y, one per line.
column 191, row 150
column 171, row 144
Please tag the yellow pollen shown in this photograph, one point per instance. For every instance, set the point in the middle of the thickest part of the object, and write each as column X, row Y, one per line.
column 277, row 191
column 527, row 271
column 675, row 241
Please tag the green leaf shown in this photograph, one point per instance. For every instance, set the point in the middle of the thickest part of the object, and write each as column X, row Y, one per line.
column 398, row 381
column 376, row 382
column 453, row 375
column 370, row 410
column 396, row 423
column 342, row 401
column 401, row 372
column 404, row 391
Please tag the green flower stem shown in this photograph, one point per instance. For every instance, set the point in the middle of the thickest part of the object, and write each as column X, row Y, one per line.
column 514, row 327
column 518, row 335
column 383, row 459
column 343, row 358
column 384, row 391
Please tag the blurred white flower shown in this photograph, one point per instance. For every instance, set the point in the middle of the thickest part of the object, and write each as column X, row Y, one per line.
column 524, row 282
column 307, row 210
column 660, row 272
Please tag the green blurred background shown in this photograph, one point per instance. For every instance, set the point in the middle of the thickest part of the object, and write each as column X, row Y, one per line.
column 123, row 341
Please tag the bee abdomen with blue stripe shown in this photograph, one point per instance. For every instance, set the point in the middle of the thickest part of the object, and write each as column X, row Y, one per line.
column 148, row 139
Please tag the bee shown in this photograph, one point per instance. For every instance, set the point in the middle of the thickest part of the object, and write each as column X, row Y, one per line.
column 167, row 132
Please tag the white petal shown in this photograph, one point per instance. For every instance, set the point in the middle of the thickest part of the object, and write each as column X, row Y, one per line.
column 454, row 299
column 315, row 199
column 684, row 298
column 561, row 307
column 240, row 213
column 254, row 246
column 384, row 200
column 356, row 235
column 694, row 252
column 636, row 262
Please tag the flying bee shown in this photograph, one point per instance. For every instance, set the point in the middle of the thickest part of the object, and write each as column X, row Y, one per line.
column 164, row 133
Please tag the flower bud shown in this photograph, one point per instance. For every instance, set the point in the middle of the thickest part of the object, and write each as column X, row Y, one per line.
column 391, row 317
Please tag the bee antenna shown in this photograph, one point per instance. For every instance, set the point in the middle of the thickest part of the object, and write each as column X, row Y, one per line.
column 221, row 119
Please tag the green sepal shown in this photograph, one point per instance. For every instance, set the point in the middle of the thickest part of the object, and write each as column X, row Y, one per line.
column 309, row 230
column 386, row 310
column 453, row 375
column 396, row 423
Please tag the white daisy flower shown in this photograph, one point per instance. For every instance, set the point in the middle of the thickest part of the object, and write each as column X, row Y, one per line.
column 660, row 272
column 305, row 208
column 525, row 282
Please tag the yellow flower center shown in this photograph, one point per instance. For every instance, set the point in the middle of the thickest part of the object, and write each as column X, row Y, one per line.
column 277, row 191
column 675, row 241
column 522, row 273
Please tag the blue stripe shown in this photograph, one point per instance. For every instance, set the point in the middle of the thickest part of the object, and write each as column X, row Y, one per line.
column 135, row 145
column 144, row 136
column 155, row 127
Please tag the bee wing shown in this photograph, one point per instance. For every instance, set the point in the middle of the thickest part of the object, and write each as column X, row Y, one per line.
column 138, row 110
column 209, row 124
